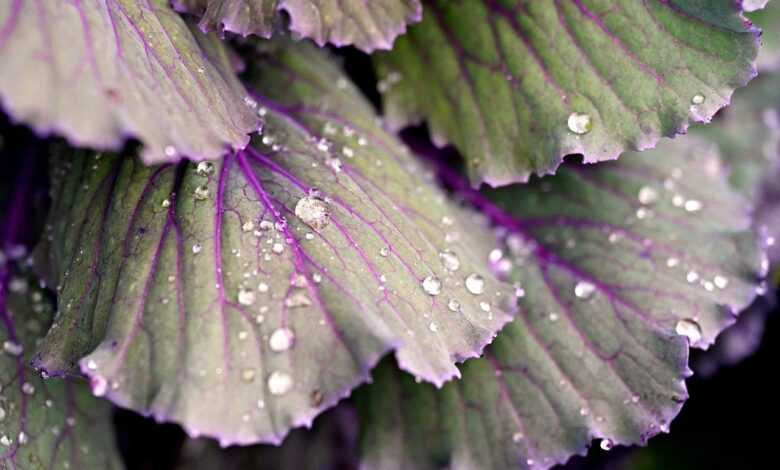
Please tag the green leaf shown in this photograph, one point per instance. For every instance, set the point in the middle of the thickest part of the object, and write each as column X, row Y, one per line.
column 622, row 265
column 366, row 25
column 768, row 20
column 98, row 72
column 239, row 285
column 53, row 423
column 516, row 86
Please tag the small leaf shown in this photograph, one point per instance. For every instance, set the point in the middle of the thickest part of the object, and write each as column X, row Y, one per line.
column 268, row 284
column 98, row 72
column 619, row 272
column 366, row 25
column 53, row 423
column 516, row 86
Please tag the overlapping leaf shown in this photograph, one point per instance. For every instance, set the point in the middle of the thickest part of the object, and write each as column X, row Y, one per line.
column 54, row 423
column 516, row 86
column 622, row 265
column 241, row 298
column 98, row 72
column 367, row 25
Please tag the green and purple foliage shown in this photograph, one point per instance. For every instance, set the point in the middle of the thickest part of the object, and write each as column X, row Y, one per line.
column 214, row 226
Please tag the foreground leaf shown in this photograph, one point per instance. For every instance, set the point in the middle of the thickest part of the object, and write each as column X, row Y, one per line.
column 239, row 285
column 516, row 86
column 366, row 25
column 98, row 72
column 622, row 266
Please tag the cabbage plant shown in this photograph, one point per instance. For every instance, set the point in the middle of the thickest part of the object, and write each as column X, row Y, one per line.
column 236, row 215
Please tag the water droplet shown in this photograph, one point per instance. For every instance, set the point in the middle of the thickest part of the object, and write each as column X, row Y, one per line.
column 166, row 203
column 553, row 316
column 14, row 349
column 250, row 102
column 313, row 211
column 204, row 168
column 246, row 296
column 517, row 437
column 99, row 385
column 279, row 383
column 5, row 440
column 248, row 226
column 584, row 289
column 606, row 444
column 647, row 195
column 692, row 205
column 672, row 262
column 453, row 305
column 2, row 415
column 201, row 193
column 281, row 339
column 579, row 123
column 475, row 284
column 28, row 388
column 431, row 285
column 720, row 281
column 690, row 329
column 23, row 439
column 196, row 248
column 697, row 99
column 248, row 375
column 692, row 276
column 92, row 365
column 277, row 248
column 298, row 299
column 450, row 260
column 484, row 306
column 584, row 411
column 495, row 255
column 384, row 251
column 170, row 151
column 433, row 327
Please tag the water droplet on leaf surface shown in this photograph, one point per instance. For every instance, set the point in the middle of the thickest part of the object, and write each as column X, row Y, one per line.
column 579, row 123
column 431, row 285
column 313, row 211
column 475, row 284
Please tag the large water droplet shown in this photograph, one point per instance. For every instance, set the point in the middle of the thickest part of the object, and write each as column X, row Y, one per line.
column 281, row 339
column 431, row 285
column 279, row 383
column 606, row 444
column 690, row 329
column 313, row 211
column 475, row 284
column 450, row 260
column 697, row 99
column 584, row 289
column 579, row 123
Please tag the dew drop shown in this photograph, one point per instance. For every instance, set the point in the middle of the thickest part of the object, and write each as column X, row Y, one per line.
column 248, row 375
column 313, row 211
column 23, row 439
column 277, row 248
column 298, row 299
column 28, row 388
column 246, row 296
column 279, row 383
column 453, row 305
column 248, row 226
column 720, row 281
column 170, row 151
column 553, row 316
column 517, row 437
column 450, row 260
column 647, row 195
column 606, row 444
column 579, row 123
column 201, row 193
column 690, row 329
column 197, row 248
column 282, row 339
column 672, row 262
column 166, row 203
column 433, row 327
column 431, row 285
column 692, row 276
column 12, row 348
column 495, row 255
column 692, row 205
column 475, row 284
column 204, row 168
column 5, row 440
column 584, row 289
column 99, row 385
column 697, row 99
column 2, row 415
column 92, row 365
column 384, row 251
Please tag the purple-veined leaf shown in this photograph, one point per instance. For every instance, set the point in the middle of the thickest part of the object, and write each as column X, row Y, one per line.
column 242, row 297
column 620, row 267
column 366, row 25
column 53, row 424
column 516, row 86
column 100, row 71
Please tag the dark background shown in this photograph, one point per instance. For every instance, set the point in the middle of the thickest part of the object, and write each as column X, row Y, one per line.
column 728, row 423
